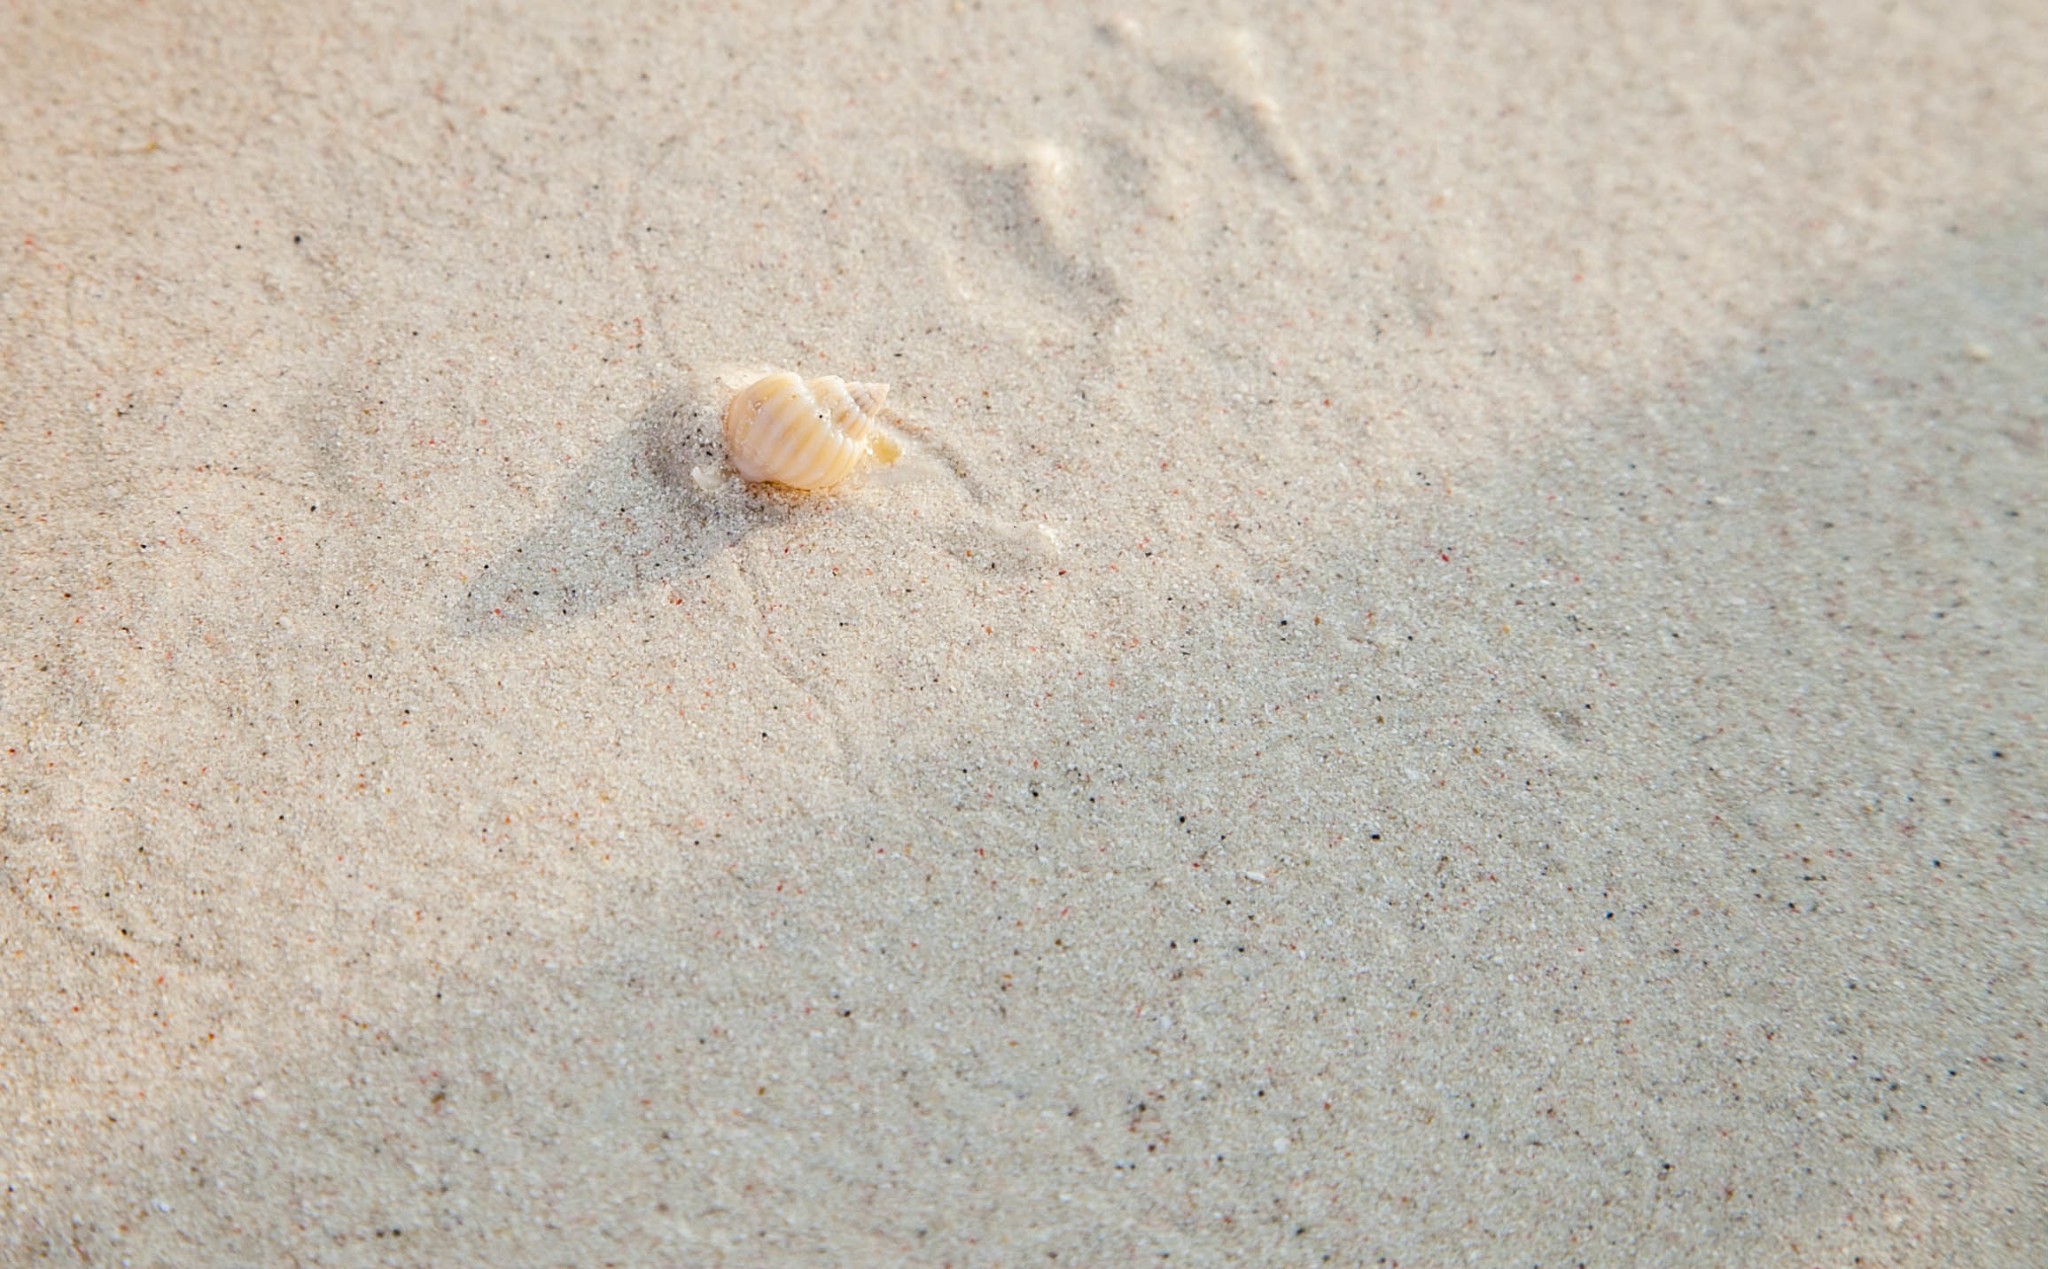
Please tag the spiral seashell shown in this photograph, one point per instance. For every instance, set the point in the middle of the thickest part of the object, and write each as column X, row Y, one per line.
column 807, row 435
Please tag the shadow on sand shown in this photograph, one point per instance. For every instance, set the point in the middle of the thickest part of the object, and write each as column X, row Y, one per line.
column 631, row 516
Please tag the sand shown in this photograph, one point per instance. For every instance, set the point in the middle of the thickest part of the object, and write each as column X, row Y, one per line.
column 1454, row 671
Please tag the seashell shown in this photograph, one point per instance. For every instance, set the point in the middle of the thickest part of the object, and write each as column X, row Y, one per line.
column 807, row 434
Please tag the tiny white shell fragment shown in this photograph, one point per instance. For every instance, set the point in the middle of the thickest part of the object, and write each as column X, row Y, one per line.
column 807, row 434
column 1048, row 541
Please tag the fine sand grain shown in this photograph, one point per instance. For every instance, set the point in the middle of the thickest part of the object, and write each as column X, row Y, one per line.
column 1454, row 671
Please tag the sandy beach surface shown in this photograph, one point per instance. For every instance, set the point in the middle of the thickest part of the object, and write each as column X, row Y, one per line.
column 1454, row 671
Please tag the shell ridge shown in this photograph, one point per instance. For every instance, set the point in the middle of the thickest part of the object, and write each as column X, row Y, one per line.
column 791, row 441
column 795, row 450
column 848, row 416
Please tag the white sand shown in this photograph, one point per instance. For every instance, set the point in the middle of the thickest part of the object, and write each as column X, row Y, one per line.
column 1524, row 745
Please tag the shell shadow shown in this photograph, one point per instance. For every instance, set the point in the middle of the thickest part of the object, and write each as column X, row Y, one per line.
column 630, row 518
